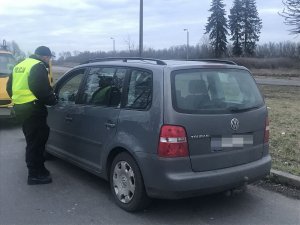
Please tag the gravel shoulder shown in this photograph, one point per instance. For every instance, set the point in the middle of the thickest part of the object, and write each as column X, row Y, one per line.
column 273, row 184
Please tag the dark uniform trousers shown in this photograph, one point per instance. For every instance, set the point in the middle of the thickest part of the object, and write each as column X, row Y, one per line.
column 33, row 116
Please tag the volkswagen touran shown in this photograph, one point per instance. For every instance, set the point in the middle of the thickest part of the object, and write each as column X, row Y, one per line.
column 161, row 128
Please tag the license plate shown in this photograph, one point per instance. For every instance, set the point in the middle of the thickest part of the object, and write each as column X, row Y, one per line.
column 234, row 141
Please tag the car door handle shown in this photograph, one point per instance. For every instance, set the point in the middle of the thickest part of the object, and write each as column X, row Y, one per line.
column 110, row 125
column 68, row 119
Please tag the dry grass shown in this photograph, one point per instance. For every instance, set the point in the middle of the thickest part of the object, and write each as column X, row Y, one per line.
column 284, row 115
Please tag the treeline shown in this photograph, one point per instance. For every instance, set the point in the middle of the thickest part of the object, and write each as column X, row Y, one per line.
column 282, row 49
column 200, row 51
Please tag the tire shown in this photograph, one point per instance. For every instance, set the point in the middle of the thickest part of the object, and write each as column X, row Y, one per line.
column 127, row 185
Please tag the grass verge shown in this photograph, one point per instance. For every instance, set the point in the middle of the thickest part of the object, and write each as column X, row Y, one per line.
column 284, row 115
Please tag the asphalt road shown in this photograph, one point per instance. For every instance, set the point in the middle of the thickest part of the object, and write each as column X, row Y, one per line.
column 76, row 197
column 275, row 81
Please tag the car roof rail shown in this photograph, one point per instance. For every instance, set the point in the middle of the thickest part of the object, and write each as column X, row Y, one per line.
column 126, row 59
column 224, row 61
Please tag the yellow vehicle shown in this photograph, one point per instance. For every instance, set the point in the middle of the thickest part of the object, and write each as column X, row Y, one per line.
column 7, row 62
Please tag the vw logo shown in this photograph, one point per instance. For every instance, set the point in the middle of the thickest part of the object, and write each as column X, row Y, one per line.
column 234, row 124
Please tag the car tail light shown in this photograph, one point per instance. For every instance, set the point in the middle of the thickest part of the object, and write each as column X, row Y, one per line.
column 267, row 131
column 173, row 142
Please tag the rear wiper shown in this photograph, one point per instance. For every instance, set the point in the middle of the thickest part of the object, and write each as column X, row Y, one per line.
column 236, row 109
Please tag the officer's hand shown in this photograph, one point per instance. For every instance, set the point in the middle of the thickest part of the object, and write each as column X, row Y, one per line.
column 52, row 100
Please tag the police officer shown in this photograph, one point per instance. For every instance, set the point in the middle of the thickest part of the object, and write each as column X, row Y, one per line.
column 30, row 90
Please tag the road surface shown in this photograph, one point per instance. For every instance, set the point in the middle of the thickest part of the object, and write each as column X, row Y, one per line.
column 77, row 197
column 275, row 81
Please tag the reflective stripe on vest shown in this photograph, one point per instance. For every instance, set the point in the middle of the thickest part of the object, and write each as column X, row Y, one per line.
column 20, row 88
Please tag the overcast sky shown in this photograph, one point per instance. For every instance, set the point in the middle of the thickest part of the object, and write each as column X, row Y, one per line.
column 68, row 25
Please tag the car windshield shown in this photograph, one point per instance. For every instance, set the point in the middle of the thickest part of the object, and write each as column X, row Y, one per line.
column 214, row 91
column 7, row 62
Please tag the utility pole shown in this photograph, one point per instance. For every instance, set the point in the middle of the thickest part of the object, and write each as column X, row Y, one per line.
column 114, row 46
column 187, row 43
column 141, row 29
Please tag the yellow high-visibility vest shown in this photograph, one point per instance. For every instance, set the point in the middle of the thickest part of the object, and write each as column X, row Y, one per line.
column 20, row 89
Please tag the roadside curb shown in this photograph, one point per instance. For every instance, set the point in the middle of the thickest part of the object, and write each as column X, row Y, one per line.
column 285, row 178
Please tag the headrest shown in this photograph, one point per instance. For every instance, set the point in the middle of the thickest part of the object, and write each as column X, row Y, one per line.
column 197, row 87
column 105, row 81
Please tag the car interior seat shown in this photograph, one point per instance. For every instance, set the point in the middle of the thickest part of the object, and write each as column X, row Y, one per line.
column 102, row 95
column 114, row 96
column 199, row 94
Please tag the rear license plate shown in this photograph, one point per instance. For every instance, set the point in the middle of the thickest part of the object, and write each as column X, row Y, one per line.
column 234, row 141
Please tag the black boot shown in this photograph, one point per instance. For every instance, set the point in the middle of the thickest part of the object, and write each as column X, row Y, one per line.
column 33, row 180
column 36, row 177
column 43, row 171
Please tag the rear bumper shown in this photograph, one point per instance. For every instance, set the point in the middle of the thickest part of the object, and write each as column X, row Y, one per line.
column 173, row 178
column 7, row 112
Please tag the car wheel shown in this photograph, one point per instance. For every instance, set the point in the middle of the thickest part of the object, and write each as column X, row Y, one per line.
column 127, row 184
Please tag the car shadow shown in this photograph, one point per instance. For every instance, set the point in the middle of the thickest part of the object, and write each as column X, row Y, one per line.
column 184, row 211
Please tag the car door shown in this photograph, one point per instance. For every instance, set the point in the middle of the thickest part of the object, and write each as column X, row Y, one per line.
column 64, row 118
column 99, row 115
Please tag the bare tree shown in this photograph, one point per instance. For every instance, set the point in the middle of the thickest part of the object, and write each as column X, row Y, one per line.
column 130, row 43
column 291, row 14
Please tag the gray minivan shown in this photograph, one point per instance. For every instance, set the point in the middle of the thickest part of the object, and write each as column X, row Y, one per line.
column 161, row 129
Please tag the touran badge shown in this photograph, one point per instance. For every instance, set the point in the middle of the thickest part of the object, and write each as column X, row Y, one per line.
column 234, row 124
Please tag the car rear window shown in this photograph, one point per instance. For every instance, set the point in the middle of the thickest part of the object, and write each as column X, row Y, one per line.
column 214, row 91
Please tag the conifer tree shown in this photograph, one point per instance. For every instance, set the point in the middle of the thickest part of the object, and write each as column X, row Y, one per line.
column 217, row 28
column 236, row 27
column 252, row 25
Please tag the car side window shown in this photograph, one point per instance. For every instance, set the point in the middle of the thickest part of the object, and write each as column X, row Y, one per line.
column 139, row 90
column 104, row 86
column 69, row 89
